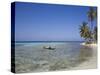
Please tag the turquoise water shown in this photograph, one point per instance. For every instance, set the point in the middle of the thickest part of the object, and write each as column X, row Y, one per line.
column 32, row 57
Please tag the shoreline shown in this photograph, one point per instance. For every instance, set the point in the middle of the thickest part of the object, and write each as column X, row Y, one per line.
column 92, row 62
column 90, row 45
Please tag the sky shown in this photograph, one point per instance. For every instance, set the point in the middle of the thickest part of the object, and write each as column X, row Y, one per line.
column 48, row 22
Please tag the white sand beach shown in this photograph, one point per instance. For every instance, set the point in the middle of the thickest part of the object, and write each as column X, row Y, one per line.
column 90, row 45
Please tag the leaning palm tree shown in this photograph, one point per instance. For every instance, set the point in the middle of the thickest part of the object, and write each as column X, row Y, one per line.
column 85, row 32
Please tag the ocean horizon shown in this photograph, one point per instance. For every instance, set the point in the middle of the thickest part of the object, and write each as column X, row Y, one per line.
column 46, row 41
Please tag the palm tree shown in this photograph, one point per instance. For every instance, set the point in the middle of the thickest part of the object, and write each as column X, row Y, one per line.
column 92, row 14
column 85, row 31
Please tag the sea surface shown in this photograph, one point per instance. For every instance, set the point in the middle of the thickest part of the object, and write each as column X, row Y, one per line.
column 32, row 57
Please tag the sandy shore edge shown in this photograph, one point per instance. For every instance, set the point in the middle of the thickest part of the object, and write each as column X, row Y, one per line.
column 90, row 45
column 91, row 63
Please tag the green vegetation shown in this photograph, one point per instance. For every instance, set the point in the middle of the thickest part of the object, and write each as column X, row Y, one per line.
column 89, row 32
column 85, row 31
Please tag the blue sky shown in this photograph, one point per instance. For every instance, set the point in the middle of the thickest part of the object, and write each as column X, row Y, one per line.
column 46, row 22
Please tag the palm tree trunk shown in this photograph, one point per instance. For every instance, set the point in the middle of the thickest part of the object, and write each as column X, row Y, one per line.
column 92, row 34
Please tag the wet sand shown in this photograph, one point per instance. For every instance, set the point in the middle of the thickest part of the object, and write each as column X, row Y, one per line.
column 91, row 63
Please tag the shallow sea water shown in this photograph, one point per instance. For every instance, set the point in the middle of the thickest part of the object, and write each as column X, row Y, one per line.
column 31, row 57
